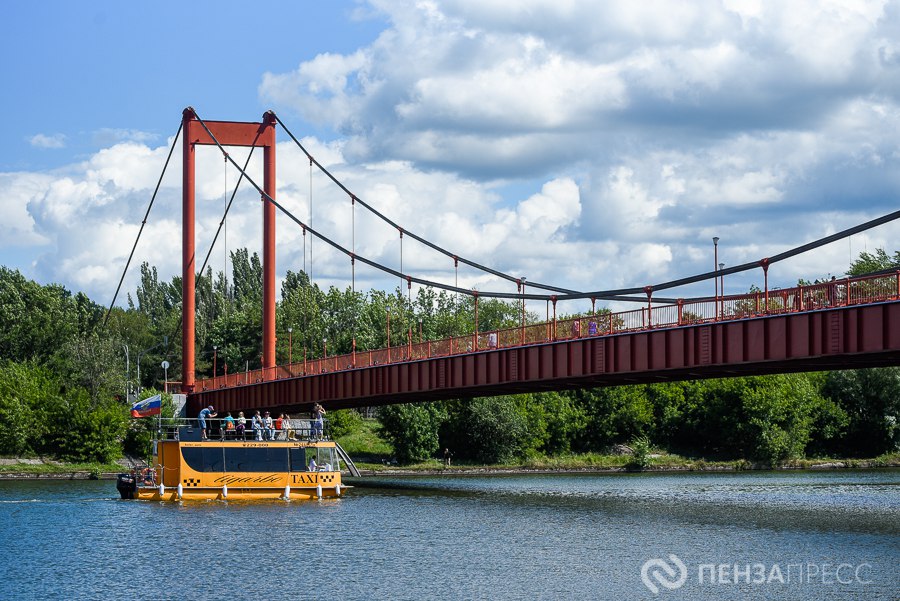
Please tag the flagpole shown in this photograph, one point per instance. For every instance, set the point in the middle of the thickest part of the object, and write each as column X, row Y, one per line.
column 165, row 366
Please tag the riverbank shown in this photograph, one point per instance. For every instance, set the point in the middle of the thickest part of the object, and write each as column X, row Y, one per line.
column 48, row 469
column 622, row 464
column 18, row 468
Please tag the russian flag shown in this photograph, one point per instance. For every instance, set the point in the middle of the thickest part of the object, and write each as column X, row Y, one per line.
column 149, row 406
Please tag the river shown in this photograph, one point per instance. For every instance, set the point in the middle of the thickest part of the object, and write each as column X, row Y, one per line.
column 753, row 535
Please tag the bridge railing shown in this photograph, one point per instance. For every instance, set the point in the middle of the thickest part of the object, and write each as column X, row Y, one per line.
column 821, row 295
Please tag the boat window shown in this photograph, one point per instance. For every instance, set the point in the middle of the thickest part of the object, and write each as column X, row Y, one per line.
column 213, row 460
column 236, row 459
column 324, row 456
column 298, row 459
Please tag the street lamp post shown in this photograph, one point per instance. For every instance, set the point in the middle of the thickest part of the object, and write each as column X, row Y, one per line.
column 715, row 266
column 722, row 286
column 325, row 346
column 127, row 373
column 523, row 309
column 215, row 356
column 420, row 330
column 165, row 366
column 141, row 355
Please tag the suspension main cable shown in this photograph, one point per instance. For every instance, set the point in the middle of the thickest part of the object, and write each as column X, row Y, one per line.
column 385, row 268
column 427, row 243
column 606, row 294
column 143, row 223
column 616, row 294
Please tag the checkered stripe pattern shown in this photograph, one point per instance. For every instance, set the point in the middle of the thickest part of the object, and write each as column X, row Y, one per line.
column 192, row 481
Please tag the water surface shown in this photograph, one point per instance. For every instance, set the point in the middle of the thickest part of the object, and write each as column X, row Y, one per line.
column 484, row 537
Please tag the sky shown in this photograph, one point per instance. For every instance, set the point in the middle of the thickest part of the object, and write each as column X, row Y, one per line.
column 581, row 144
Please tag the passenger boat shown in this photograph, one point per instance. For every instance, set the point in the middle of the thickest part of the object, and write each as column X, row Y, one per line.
column 185, row 467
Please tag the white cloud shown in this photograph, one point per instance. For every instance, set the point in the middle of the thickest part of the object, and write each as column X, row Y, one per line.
column 583, row 144
column 108, row 136
column 17, row 192
column 48, row 141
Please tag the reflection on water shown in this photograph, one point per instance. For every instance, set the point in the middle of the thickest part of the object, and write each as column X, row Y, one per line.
column 485, row 537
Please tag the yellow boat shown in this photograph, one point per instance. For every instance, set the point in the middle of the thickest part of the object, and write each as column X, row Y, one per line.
column 185, row 468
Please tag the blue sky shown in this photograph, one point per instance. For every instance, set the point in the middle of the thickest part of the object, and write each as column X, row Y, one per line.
column 589, row 145
column 87, row 74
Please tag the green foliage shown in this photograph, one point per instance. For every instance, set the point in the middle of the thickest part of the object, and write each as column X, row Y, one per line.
column 614, row 415
column 553, row 421
column 34, row 318
column 364, row 442
column 868, row 262
column 412, row 429
column 343, row 422
column 60, row 376
column 488, row 430
column 640, row 456
column 26, row 389
column 82, row 430
column 871, row 400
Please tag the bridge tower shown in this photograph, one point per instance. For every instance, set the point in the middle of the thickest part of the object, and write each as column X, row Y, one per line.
column 226, row 133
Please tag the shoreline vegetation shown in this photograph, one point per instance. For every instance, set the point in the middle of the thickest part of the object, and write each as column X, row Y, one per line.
column 590, row 463
column 67, row 387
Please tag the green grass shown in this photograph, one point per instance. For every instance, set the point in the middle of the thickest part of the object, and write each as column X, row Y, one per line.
column 61, row 468
column 365, row 445
column 371, row 452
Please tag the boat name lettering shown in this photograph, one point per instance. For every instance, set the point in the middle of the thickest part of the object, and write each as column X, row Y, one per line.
column 304, row 478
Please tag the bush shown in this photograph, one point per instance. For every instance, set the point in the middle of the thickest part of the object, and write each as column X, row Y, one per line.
column 343, row 422
column 613, row 415
column 26, row 391
column 85, row 432
column 412, row 429
column 488, row 430
column 640, row 457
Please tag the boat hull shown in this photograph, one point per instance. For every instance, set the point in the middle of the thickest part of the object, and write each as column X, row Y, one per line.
column 193, row 470
column 235, row 494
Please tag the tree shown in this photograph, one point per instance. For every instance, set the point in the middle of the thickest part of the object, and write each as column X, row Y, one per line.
column 869, row 262
column 871, row 400
column 614, row 415
column 412, row 429
column 26, row 391
column 487, row 429
column 34, row 319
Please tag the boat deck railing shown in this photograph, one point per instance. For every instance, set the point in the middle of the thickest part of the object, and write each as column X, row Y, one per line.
column 218, row 429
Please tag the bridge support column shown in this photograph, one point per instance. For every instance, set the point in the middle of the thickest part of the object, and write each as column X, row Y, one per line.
column 187, row 255
column 225, row 133
column 269, row 249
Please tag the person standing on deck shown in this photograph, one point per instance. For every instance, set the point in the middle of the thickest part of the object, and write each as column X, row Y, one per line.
column 241, row 425
column 205, row 413
column 318, row 413
column 256, row 424
column 269, row 426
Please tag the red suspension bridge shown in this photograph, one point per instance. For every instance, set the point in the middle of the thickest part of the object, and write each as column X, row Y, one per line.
column 838, row 324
